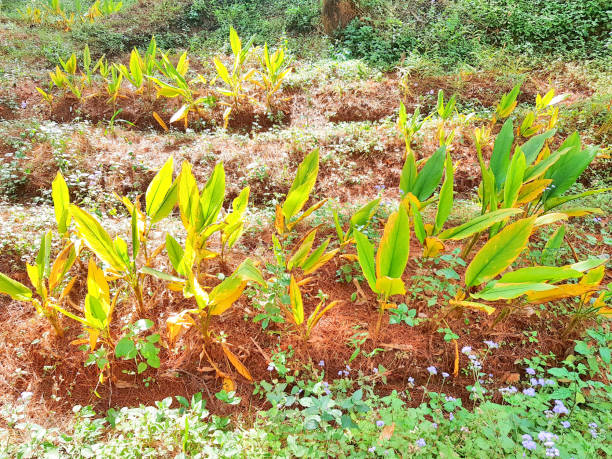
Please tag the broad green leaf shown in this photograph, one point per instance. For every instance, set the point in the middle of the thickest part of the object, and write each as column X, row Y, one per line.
column 304, row 181
column 189, row 199
column 429, row 177
column 569, row 167
column 508, row 291
column 43, row 259
column 500, row 158
column 161, row 275
column 300, row 254
column 499, row 252
column 554, row 202
column 16, row 290
column 549, row 253
column 158, row 190
column 365, row 253
column 540, row 274
column 537, row 170
column 135, row 235
column 364, row 214
column 248, row 272
column 394, row 246
column 478, row 224
column 61, row 203
column 213, row 195
column 591, row 263
column 96, row 238
column 409, row 174
column 514, row 178
column 533, row 146
column 445, row 202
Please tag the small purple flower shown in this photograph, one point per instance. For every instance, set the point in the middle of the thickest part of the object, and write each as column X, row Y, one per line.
column 322, row 363
column 421, row 442
column 432, row 370
column 530, row 371
column 593, row 433
column 547, row 437
column 466, row 349
column 450, row 398
column 533, row 381
column 528, row 442
column 560, row 408
column 271, row 366
column 592, row 425
column 371, row 449
column 379, row 423
column 340, row 373
column 375, row 370
column 565, row 424
column 410, row 380
column 552, row 452
column 451, row 417
column 445, row 374
column 491, row 344
column 434, row 425
column 24, row 104
column 530, row 392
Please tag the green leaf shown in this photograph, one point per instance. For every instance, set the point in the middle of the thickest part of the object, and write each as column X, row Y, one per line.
column 590, row 263
column 499, row 252
column 303, row 183
column 533, row 146
column 125, row 346
column 552, row 246
column 364, row 214
column 409, row 174
column 514, row 178
column 365, row 254
column 394, row 246
column 478, row 224
column 16, row 290
column 569, row 167
column 97, row 239
column 500, row 158
column 540, row 274
column 445, row 203
column 160, row 274
column 61, row 203
column 213, row 195
column 176, row 254
column 44, row 256
column 135, row 235
column 158, row 190
column 429, row 177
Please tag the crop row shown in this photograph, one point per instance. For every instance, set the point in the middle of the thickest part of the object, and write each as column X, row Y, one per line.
column 523, row 187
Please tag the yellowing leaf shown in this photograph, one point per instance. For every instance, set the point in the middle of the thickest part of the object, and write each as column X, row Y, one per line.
column 549, row 219
column 238, row 365
column 559, row 292
column 433, row 246
column 228, row 385
column 176, row 322
column 297, row 304
column 473, row 305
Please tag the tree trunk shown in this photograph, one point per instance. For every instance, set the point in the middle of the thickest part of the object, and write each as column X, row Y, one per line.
column 336, row 14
